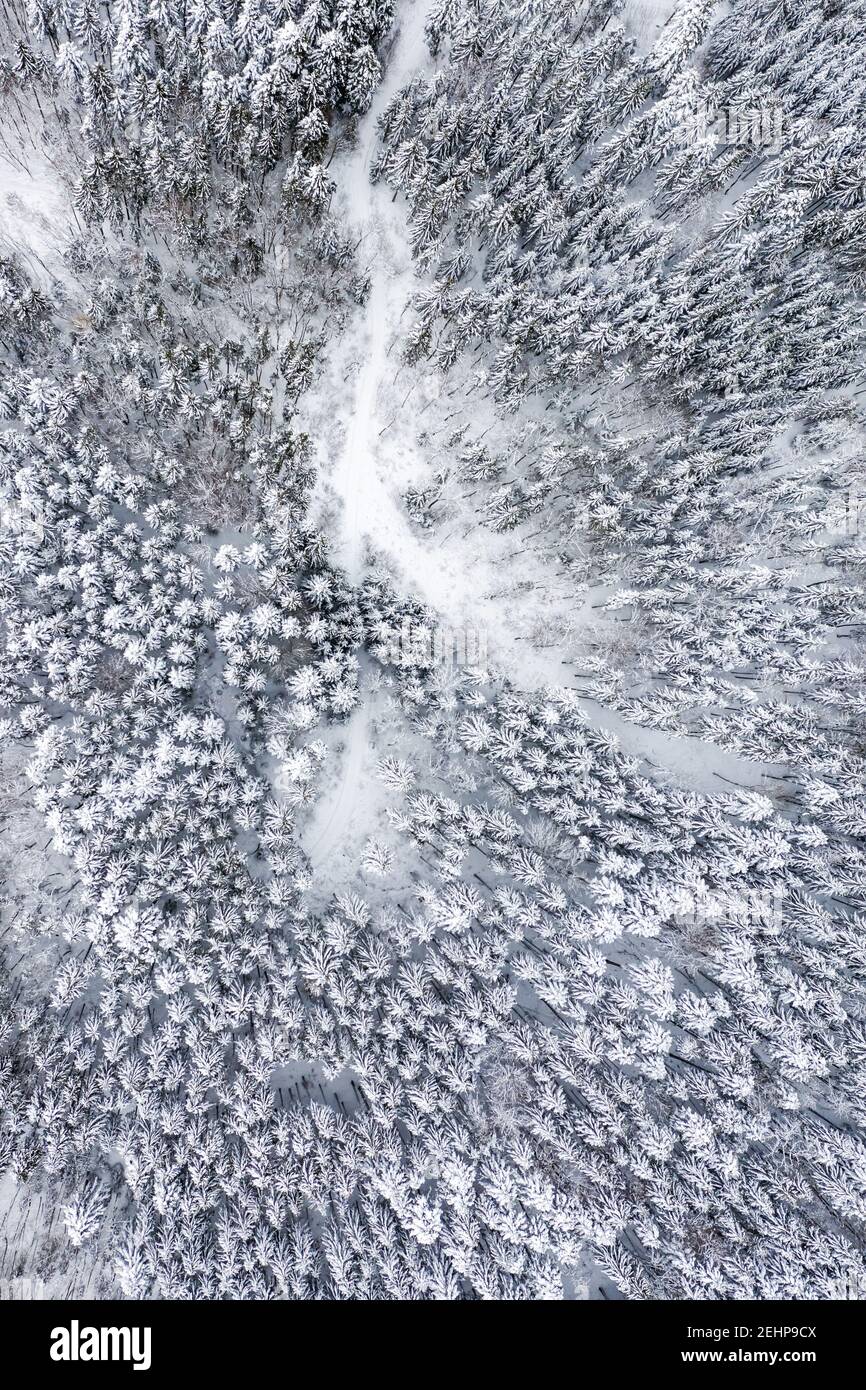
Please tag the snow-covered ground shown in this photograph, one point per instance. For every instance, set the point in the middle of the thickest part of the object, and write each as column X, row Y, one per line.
column 352, row 805
column 36, row 218
column 360, row 477
column 644, row 19
column 36, row 1260
column 346, row 809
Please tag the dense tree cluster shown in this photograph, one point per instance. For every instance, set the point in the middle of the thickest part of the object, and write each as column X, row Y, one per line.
column 609, row 235
column 170, row 103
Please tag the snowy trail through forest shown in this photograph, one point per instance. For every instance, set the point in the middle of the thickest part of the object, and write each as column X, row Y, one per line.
column 460, row 575
column 35, row 219
column 326, row 839
column 367, row 501
column 455, row 576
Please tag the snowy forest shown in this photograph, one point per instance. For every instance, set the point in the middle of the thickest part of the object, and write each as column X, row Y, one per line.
column 432, row 649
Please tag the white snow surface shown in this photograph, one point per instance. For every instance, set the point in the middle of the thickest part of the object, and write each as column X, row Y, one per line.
column 645, row 18
column 36, row 218
column 341, row 816
column 360, row 477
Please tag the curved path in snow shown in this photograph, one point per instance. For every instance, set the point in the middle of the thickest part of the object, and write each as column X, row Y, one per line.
column 450, row 575
column 367, row 501
column 369, row 505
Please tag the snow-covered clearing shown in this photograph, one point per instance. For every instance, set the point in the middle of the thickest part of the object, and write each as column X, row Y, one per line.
column 644, row 19
column 369, row 507
column 36, row 1260
column 326, row 837
column 681, row 759
column 353, row 801
column 36, row 218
